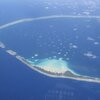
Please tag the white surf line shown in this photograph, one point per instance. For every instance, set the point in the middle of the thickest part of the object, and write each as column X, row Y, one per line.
column 44, row 18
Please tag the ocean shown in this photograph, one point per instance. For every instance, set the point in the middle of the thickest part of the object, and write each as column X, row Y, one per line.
column 17, row 82
column 75, row 40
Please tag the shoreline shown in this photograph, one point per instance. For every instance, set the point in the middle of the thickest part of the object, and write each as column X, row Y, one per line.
column 67, row 75
column 77, row 78
column 70, row 74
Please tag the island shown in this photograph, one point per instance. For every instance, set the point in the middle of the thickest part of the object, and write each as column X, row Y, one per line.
column 67, row 74
column 64, row 73
column 50, row 72
column 2, row 45
column 11, row 52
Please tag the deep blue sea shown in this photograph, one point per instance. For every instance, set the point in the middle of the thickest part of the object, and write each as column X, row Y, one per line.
column 18, row 82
